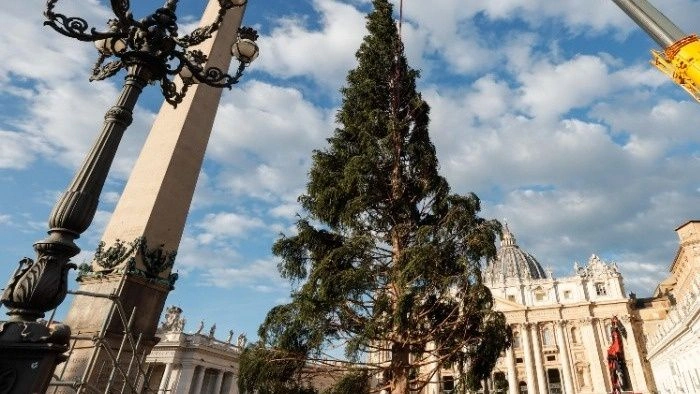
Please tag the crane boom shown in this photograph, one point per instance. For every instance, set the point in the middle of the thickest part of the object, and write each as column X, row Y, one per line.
column 680, row 59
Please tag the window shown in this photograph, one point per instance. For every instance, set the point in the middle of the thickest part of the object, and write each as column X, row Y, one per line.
column 547, row 337
column 519, row 360
column 552, row 358
column 575, row 337
column 511, row 298
column 554, row 381
column 448, row 384
column 516, row 340
column 567, row 294
column 540, row 294
column 600, row 289
column 500, row 383
column 523, row 387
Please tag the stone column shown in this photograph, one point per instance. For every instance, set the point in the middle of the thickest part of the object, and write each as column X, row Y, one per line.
column 174, row 378
column 234, row 385
column 527, row 353
column 510, row 365
column 564, row 356
column 539, row 364
column 166, row 378
column 432, row 364
column 185, row 381
column 149, row 220
column 593, row 345
column 632, row 358
column 218, row 381
column 200, row 379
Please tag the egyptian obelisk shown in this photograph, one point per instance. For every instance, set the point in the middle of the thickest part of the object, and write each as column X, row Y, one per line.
column 138, row 247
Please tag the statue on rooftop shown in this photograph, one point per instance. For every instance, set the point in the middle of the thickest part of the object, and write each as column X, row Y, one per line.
column 242, row 340
column 174, row 322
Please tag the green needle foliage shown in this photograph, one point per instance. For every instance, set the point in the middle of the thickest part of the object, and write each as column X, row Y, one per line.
column 387, row 262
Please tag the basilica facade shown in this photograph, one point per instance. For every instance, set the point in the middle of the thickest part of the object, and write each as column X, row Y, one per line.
column 561, row 326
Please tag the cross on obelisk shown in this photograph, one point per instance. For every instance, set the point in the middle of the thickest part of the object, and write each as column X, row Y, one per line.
column 138, row 247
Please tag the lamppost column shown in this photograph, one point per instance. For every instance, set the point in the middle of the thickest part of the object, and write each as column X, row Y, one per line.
column 76, row 208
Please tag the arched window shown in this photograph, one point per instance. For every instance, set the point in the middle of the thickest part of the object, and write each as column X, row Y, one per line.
column 547, row 338
column 500, row 382
column 516, row 340
column 523, row 387
column 608, row 327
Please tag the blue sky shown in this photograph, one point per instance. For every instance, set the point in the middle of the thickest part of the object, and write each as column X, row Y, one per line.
column 549, row 111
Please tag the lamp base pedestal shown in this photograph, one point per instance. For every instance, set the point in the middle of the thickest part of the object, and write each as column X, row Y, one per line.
column 29, row 353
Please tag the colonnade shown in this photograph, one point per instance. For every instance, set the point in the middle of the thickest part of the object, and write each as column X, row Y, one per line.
column 529, row 352
column 190, row 378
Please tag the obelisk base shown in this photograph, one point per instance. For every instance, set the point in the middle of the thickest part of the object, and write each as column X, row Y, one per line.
column 104, row 309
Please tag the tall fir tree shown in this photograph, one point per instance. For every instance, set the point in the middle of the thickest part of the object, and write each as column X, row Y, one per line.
column 387, row 260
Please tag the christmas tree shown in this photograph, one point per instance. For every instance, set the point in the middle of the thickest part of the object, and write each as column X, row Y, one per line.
column 386, row 261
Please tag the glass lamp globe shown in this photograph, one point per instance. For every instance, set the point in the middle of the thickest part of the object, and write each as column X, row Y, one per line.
column 110, row 45
column 245, row 50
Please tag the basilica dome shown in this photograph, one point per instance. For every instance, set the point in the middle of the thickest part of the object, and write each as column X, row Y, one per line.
column 511, row 262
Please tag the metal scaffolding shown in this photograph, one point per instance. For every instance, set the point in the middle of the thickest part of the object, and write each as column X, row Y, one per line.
column 128, row 374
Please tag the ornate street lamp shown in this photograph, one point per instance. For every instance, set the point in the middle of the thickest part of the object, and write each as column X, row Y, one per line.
column 151, row 51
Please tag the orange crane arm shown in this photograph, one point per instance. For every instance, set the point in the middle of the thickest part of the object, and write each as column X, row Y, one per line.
column 680, row 58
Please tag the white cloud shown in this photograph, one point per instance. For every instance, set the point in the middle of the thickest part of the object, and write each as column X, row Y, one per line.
column 263, row 137
column 286, row 210
column 260, row 275
column 5, row 219
column 18, row 149
column 48, row 73
column 37, row 52
column 223, row 266
column 554, row 89
column 227, row 224
column 324, row 55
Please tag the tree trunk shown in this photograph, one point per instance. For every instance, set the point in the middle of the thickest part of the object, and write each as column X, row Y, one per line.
column 399, row 369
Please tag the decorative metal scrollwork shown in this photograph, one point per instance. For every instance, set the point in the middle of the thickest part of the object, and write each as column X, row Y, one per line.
column 153, row 41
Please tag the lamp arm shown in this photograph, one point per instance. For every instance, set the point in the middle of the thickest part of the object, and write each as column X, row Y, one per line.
column 170, row 92
column 121, row 9
column 203, row 33
column 212, row 76
column 74, row 27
